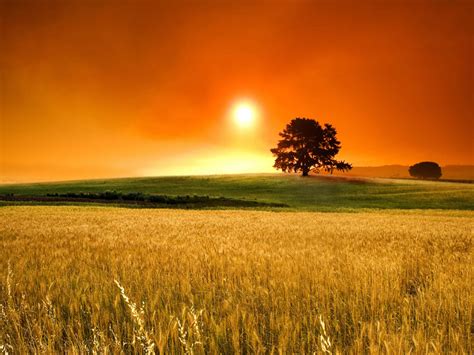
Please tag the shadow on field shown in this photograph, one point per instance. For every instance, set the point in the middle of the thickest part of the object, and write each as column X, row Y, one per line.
column 137, row 199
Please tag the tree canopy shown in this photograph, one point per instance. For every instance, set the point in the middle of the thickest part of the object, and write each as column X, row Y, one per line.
column 425, row 170
column 307, row 146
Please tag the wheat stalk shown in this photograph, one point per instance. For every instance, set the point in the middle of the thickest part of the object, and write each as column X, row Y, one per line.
column 185, row 335
column 137, row 315
column 9, row 281
column 324, row 340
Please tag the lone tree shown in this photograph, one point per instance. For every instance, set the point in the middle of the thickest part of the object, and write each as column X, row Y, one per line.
column 425, row 170
column 307, row 146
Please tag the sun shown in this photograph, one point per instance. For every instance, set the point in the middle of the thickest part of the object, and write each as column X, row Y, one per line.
column 244, row 114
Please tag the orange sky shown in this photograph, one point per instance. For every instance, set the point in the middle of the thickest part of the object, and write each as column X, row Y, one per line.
column 129, row 88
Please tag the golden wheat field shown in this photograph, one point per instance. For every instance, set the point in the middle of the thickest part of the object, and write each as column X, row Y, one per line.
column 110, row 280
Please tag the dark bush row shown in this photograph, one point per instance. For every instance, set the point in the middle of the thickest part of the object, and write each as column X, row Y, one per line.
column 164, row 199
column 106, row 195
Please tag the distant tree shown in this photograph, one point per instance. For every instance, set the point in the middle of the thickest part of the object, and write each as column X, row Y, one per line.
column 425, row 170
column 307, row 146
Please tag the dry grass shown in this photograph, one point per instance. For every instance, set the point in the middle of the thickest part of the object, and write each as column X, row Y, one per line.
column 234, row 281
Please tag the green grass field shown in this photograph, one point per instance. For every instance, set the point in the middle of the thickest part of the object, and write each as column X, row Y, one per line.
column 316, row 193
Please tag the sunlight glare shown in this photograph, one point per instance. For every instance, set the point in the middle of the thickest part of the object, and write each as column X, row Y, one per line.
column 244, row 114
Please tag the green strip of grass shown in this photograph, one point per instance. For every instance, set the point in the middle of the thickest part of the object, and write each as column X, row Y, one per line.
column 303, row 194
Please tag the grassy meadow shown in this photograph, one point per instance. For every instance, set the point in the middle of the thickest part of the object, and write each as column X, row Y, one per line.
column 315, row 193
column 96, row 280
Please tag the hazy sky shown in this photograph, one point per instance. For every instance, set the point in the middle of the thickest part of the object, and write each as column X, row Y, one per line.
column 126, row 88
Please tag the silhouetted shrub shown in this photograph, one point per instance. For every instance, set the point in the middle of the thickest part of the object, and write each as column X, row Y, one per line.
column 109, row 195
column 425, row 170
column 158, row 198
column 134, row 196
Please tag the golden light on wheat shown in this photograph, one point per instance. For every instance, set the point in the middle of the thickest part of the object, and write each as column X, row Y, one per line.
column 234, row 281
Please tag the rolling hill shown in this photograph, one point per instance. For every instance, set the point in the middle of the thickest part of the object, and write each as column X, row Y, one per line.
column 315, row 193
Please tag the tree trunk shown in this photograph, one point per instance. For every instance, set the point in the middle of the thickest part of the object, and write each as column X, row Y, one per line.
column 305, row 172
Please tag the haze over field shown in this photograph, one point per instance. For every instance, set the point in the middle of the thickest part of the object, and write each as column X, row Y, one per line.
column 456, row 172
column 131, row 88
